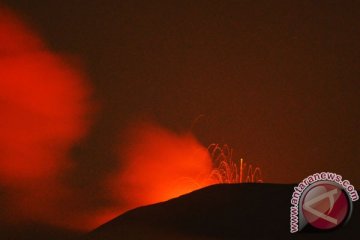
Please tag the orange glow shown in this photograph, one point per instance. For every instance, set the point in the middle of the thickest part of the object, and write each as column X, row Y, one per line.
column 157, row 165
column 15, row 37
column 43, row 109
column 227, row 170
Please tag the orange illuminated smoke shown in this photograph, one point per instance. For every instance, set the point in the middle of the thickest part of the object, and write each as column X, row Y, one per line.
column 44, row 107
column 43, row 110
column 157, row 164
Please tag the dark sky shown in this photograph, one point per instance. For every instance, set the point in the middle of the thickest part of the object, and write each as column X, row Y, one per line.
column 277, row 80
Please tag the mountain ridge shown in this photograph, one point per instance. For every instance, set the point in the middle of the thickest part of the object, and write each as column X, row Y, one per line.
column 222, row 211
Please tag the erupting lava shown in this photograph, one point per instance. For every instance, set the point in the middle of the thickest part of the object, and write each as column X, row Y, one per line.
column 44, row 108
column 158, row 165
column 226, row 170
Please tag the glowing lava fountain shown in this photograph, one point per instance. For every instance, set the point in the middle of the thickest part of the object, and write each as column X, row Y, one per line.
column 227, row 170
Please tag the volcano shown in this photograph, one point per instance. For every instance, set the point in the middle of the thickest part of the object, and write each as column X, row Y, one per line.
column 224, row 211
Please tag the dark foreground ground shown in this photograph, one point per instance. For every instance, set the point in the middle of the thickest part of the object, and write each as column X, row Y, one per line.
column 36, row 232
column 246, row 211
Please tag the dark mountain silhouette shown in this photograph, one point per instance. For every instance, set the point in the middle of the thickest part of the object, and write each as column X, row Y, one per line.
column 231, row 211
column 35, row 231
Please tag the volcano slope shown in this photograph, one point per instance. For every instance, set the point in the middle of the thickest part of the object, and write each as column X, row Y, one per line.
column 226, row 211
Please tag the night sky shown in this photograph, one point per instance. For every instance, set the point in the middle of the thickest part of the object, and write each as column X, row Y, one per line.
column 276, row 80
